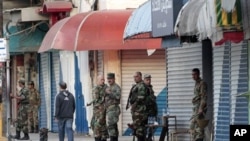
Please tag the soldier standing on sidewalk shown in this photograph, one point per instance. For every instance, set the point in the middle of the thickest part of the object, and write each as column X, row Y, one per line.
column 22, row 111
column 98, row 122
column 112, row 101
column 34, row 107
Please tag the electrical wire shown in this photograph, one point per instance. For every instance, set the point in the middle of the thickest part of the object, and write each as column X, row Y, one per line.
column 27, row 29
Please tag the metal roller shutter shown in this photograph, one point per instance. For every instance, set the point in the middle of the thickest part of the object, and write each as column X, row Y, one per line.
column 180, row 84
column 44, row 89
column 100, row 67
column 55, row 78
column 230, row 78
column 138, row 60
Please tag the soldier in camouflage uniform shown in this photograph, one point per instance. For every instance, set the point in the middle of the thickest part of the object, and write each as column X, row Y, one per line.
column 151, row 103
column 98, row 122
column 22, row 111
column 136, row 100
column 34, row 107
column 199, row 106
column 112, row 101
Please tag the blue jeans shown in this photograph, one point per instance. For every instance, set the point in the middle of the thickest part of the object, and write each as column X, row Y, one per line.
column 65, row 125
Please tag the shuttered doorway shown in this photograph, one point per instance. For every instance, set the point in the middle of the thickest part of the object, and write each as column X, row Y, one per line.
column 44, row 89
column 138, row 60
column 180, row 84
column 230, row 78
column 55, row 78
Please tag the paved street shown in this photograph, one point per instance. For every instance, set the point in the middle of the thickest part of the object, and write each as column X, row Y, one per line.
column 54, row 137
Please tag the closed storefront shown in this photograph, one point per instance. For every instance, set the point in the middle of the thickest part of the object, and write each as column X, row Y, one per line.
column 44, row 88
column 55, row 78
column 180, row 85
column 230, row 79
column 138, row 60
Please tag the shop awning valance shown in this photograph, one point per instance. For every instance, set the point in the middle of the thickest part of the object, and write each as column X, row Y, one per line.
column 96, row 30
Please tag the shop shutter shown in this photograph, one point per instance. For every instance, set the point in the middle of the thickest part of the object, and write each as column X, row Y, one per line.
column 55, row 78
column 100, row 67
column 180, row 85
column 239, row 83
column 230, row 78
column 138, row 60
column 44, row 89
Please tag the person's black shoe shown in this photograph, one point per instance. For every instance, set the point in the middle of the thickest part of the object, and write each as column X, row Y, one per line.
column 26, row 137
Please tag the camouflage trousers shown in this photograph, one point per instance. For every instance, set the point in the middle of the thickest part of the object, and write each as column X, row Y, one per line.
column 198, row 133
column 139, row 117
column 112, row 117
column 33, row 116
column 22, row 118
column 99, row 122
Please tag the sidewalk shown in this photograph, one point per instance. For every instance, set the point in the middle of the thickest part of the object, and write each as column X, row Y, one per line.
column 54, row 137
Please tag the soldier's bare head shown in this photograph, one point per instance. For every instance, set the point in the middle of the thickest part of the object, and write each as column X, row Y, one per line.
column 196, row 74
column 137, row 77
column 100, row 80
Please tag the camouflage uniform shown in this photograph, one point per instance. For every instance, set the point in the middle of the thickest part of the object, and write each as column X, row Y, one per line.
column 113, row 111
column 199, row 102
column 152, row 109
column 139, row 109
column 151, row 102
column 99, row 113
column 33, row 112
column 22, row 112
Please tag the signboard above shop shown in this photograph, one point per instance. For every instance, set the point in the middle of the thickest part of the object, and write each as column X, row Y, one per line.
column 164, row 14
column 3, row 50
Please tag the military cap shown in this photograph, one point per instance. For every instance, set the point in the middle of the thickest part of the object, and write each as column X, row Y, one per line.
column 63, row 85
column 22, row 81
column 147, row 76
column 31, row 83
column 110, row 75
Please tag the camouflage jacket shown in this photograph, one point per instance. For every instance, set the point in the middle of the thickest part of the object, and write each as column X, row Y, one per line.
column 151, row 102
column 24, row 94
column 200, row 95
column 34, row 97
column 114, row 97
column 138, row 94
column 99, row 95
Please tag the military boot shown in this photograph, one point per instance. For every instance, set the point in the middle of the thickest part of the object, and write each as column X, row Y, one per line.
column 140, row 138
column 36, row 129
column 31, row 129
column 17, row 136
column 113, row 138
column 98, row 139
column 26, row 137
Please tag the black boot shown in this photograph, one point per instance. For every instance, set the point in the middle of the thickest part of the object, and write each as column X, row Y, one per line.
column 199, row 140
column 31, row 129
column 26, row 137
column 113, row 138
column 140, row 138
column 17, row 136
column 97, row 139
column 36, row 129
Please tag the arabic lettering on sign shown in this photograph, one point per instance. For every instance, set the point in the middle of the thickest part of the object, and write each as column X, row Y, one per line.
column 162, row 5
column 162, row 24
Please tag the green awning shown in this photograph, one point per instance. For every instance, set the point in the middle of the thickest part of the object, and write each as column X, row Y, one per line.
column 28, row 41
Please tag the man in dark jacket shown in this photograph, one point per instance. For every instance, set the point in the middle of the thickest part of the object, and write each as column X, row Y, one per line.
column 64, row 111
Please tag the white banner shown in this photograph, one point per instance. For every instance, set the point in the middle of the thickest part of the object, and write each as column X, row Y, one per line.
column 3, row 51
